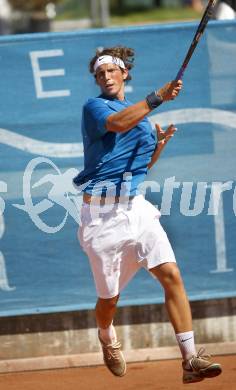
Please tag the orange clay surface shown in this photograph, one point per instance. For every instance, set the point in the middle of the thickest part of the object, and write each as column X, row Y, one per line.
column 158, row 375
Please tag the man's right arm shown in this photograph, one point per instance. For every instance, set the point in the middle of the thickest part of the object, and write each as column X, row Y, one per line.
column 129, row 117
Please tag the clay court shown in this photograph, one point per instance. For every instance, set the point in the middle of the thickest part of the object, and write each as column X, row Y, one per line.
column 159, row 375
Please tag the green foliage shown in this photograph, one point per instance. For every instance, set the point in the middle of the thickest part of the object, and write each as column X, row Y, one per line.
column 73, row 9
column 123, row 7
column 156, row 15
column 78, row 9
column 31, row 5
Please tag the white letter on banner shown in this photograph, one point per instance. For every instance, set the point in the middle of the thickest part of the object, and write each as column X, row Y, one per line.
column 187, row 195
column 168, row 190
column 217, row 210
column 4, row 285
column 39, row 74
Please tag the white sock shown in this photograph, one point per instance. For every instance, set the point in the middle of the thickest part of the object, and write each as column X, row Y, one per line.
column 186, row 344
column 108, row 335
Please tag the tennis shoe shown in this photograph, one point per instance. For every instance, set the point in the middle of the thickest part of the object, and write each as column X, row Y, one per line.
column 113, row 357
column 200, row 367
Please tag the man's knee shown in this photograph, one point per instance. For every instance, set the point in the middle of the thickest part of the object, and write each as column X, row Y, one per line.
column 168, row 274
column 109, row 303
column 173, row 276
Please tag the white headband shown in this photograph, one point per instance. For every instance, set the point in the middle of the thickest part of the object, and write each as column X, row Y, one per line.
column 108, row 60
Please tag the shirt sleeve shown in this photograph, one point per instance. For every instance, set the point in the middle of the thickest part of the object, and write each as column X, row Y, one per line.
column 96, row 111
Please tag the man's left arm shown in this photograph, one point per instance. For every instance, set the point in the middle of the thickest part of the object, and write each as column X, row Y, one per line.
column 162, row 138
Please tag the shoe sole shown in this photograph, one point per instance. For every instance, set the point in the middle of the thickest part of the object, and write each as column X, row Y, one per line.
column 211, row 372
column 117, row 375
column 192, row 379
column 113, row 372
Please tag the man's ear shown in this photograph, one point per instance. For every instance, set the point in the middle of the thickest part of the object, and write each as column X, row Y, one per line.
column 125, row 74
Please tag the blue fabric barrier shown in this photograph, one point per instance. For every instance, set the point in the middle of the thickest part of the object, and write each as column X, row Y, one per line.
column 43, row 85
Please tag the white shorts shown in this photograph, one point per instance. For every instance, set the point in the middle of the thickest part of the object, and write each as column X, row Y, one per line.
column 121, row 240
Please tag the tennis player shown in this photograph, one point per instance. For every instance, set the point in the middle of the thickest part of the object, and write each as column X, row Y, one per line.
column 120, row 230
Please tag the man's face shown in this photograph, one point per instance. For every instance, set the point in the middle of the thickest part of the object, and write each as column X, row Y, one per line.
column 110, row 79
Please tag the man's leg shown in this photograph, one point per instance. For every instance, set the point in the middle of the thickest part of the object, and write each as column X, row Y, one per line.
column 196, row 368
column 176, row 300
column 112, row 355
column 177, row 306
column 105, row 311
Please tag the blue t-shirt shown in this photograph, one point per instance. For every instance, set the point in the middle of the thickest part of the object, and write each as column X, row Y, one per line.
column 114, row 163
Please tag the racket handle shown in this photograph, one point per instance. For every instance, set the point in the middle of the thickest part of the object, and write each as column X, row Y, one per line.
column 180, row 74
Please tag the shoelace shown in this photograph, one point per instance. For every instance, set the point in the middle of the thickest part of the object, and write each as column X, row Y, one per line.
column 112, row 350
column 201, row 355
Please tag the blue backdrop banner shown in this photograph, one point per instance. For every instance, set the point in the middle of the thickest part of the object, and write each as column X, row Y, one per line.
column 44, row 83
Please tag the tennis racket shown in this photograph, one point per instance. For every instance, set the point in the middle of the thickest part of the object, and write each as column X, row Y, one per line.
column 201, row 27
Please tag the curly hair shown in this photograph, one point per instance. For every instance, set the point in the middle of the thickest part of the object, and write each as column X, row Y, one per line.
column 126, row 54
